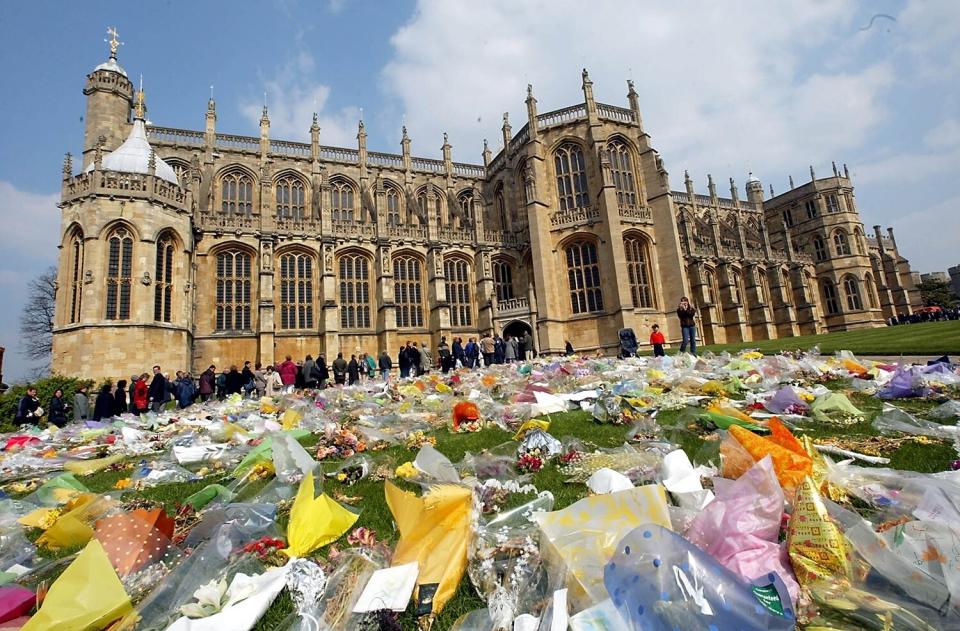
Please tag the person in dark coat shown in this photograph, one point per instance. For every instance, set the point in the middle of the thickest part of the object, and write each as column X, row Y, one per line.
column 353, row 369
column 386, row 365
column 249, row 383
column 131, row 390
column 58, row 409
column 686, row 312
column 340, row 370
column 309, row 372
column 234, row 381
column 459, row 355
column 185, row 389
column 413, row 354
column 568, row 349
column 443, row 353
column 120, row 398
column 28, row 410
column 158, row 390
column 208, row 383
column 403, row 362
column 103, row 408
column 499, row 349
column 321, row 372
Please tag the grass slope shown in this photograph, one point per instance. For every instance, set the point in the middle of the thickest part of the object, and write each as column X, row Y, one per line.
column 929, row 338
column 376, row 515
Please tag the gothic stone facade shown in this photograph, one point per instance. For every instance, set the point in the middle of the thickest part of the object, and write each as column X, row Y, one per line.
column 267, row 247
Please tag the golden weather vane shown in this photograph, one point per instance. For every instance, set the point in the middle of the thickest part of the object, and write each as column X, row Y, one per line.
column 113, row 41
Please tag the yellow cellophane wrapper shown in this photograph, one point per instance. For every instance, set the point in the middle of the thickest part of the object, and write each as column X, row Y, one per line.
column 315, row 521
column 727, row 410
column 791, row 468
column 854, row 367
column 816, row 546
column 532, row 424
column 434, row 532
column 86, row 597
column 819, row 475
column 86, row 467
column 583, row 536
column 291, row 419
column 75, row 526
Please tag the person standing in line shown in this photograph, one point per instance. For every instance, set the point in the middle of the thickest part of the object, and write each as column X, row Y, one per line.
column 131, row 389
column 529, row 350
column 499, row 349
column 353, row 369
column 568, row 349
column 340, row 370
column 248, row 381
column 459, row 354
column 657, row 340
column 510, row 349
column 309, row 378
column 443, row 353
column 298, row 378
column 274, row 384
column 386, row 365
column 322, row 372
column 158, row 390
column 81, row 405
column 403, row 362
column 371, row 366
column 234, row 381
column 222, row 386
column 470, row 352
column 29, row 410
column 288, row 373
column 259, row 381
column 487, row 349
column 208, row 383
column 688, row 328
column 141, row 394
column 426, row 359
column 413, row 354
column 185, row 389
column 521, row 348
column 58, row 409
column 120, row 398
column 103, row 406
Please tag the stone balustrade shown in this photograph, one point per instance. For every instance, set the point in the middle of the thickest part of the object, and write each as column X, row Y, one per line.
column 513, row 306
column 574, row 217
column 632, row 214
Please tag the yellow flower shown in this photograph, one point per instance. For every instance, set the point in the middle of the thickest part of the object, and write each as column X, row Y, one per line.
column 125, row 483
column 406, row 471
column 341, row 477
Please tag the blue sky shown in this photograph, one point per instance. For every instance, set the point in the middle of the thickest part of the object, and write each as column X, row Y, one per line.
column 768, row 86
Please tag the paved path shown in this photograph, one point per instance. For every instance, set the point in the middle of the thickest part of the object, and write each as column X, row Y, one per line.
column 896, row 359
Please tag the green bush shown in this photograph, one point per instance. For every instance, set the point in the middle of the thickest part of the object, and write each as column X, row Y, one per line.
column 45, row 389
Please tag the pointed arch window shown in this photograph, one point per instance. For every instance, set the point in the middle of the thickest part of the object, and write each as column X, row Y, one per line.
column 291, row 197
column 341, row 201
column 712, row 291
column 466, row 203
column 501, row 209
column 76, row 276
column 841, row 243
column 181, row 170
column 119, row 273
column 621, row 165
column 457, row 274
column 811, row 206
column 737, row 287
column 639, row 271
column 236, row 193
column 296, row 291
column 393, row 206
column 233, row 291
column 787, row 286
column 819, row 249
column 163, row 287
column 354, row 291
column 851, row 289
column 503, row 280
column 763, row 291
column 833, row 206
column 583, row 277
column 571, row 177
column 871, row 290
column 830, row 299
column 788, row 218
column 408, row 291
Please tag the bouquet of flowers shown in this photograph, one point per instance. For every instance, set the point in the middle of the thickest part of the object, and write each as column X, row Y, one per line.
column 466, row 417
column 340, row 442
column 530, row 461
column 417, row 439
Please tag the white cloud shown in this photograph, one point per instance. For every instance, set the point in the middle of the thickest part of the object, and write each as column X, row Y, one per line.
column 28, row 245
column 936, row 227
column 719, row 91
column 291, row 104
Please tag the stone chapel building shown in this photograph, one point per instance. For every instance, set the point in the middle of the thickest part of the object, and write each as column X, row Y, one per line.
column 185, row 248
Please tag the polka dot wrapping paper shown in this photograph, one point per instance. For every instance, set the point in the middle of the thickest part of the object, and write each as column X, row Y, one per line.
column 135, row 539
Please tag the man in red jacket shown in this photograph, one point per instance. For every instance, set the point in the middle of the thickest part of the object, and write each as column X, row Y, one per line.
column 288, row 373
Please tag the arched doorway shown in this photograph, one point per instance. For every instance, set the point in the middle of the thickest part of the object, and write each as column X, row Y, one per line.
column 516, row 328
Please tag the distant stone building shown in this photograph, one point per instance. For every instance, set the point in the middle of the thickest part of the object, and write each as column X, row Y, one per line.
column 954, row 273
column 939, row 277
column 186, row 248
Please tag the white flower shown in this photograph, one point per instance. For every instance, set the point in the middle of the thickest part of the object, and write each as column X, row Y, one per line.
column 209, row 600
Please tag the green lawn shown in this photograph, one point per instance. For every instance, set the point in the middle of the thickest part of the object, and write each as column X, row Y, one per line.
column 930, row 338
column 376, row 515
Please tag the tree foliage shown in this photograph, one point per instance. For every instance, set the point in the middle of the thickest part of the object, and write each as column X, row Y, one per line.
column 36, row 319
column 937, row 293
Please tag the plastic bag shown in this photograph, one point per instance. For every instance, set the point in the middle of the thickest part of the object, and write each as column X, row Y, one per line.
column 791, row 467
column 740, row 528
column 786, row 401
column 893, row 419
column 504, row 564
column 835, row 409
column 906, row 382
column 315, row 520
column 945, row 411
column 579, row 539
column 291, row 462
column 659, row 581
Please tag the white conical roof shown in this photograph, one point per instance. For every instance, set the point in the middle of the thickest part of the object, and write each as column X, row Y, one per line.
column 133, row 156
